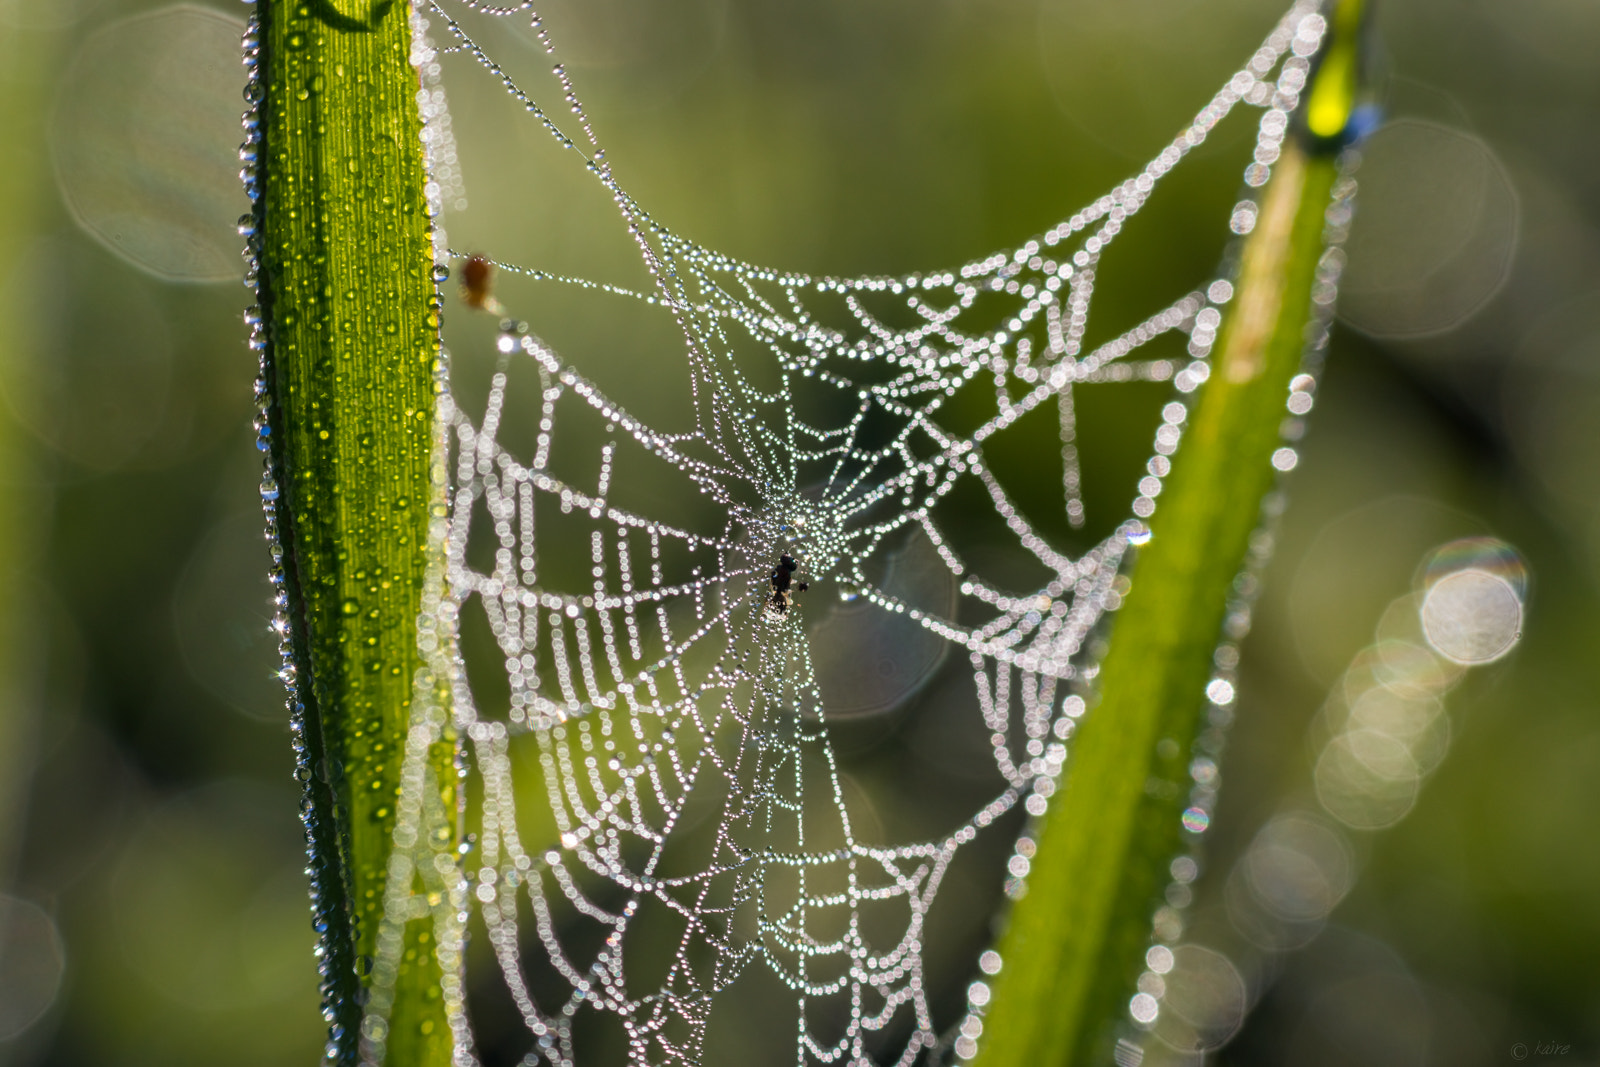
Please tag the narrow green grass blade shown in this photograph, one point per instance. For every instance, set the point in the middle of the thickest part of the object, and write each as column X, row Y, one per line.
column 348, row 303
column 1075, row 944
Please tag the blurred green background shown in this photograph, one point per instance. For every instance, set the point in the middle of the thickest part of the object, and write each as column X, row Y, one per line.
column 154, row 909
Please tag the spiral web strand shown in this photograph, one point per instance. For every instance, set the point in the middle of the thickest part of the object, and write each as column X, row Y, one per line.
column 678, row 705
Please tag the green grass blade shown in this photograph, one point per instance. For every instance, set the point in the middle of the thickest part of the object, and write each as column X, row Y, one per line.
column 1074, row 945
column 351, row 327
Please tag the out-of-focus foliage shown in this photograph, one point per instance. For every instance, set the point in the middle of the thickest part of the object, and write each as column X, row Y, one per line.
column 154, row 813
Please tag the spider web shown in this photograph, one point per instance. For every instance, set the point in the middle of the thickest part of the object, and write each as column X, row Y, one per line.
column 653, row 744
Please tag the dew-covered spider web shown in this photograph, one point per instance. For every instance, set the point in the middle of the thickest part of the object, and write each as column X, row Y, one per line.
column 661, row 646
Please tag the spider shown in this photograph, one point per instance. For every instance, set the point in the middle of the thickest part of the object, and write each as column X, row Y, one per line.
column 783, row 585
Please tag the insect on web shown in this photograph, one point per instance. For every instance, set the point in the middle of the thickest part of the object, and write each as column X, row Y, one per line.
column 660, row 811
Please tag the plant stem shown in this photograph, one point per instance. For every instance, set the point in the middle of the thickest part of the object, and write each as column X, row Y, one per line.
column 351, row 320
column 1074, row 946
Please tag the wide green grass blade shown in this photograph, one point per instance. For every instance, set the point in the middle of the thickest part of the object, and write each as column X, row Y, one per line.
column 1074, row 946
column 351, row 327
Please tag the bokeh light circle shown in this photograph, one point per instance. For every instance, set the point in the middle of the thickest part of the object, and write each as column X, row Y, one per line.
column 209, row 900
column 1349, row 574
column 222, row 611
column 145, row 140
column 1204, row 1002
column 1299, row 868
column 868, row 660
column 1472, row 617
column 100, row 391
column 1408, row 668
column 1367, row 780
column 31, row 965
column 1419, row 723
column 1435, row 234
column 1472, row 608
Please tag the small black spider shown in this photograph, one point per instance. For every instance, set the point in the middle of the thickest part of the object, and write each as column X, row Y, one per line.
column 783, row 584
